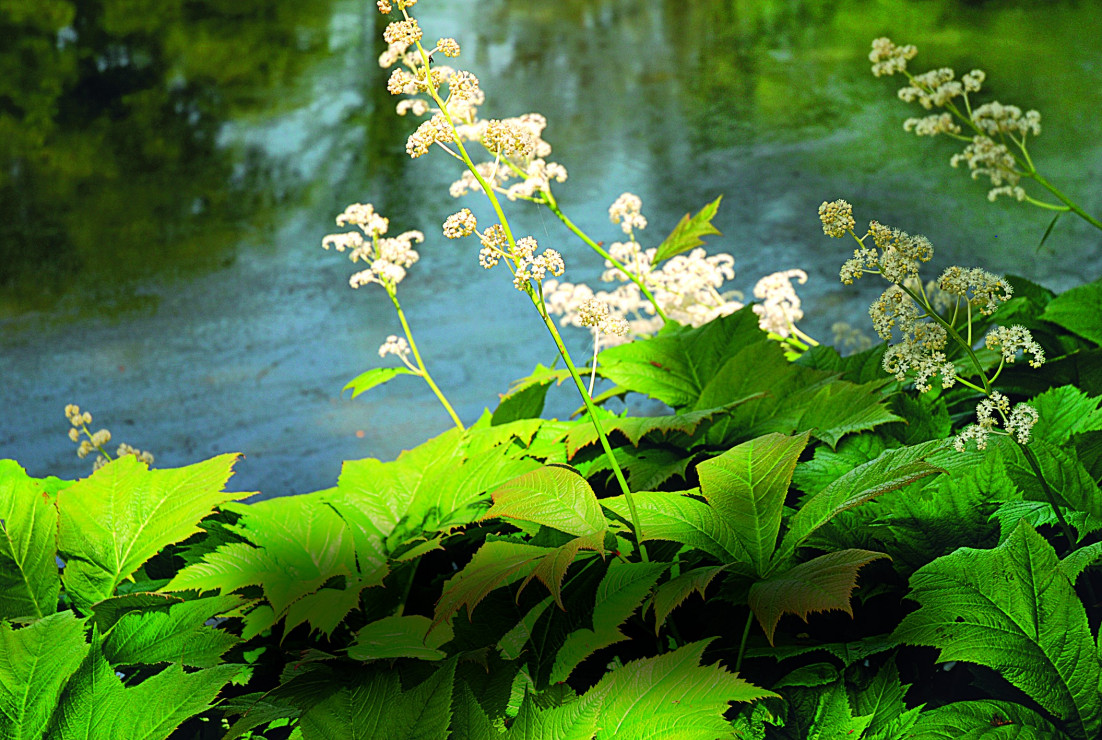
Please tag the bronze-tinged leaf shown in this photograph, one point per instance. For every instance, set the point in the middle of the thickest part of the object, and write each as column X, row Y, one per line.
column 822, row 584
column 688, row 232
column 673, row 592
column 552, row 567
column 497, row 563
column 553, row 496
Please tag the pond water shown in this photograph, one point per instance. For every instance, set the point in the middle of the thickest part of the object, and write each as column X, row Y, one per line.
column 169, row 169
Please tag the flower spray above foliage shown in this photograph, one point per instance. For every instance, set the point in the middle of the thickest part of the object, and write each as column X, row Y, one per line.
column 996, row 134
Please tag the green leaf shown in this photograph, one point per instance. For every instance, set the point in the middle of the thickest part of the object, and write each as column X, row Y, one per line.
column 399, row 637
column 526, row 397
column 1075, row 562
column 29, row 581
column 368, row 380
column 1063, row 412
column 1078, row 310
column 363, row 712
column 123, row 514
column 1068, row 480
column 553, row 496
column 689, row 232
column 1013, row 610
column 377, row 708
column 620, row 593
column 673, row 592
column 35, row 663
column 97, row 705
column 178, row 635
column 497, row 563
column 676, row 517
column 635, row 428
column 676, row 365
column 670, row 696
column 109, row 611
column 469, row 720
column 747, row 486
column 429, row 488
column 834, row 717
column 834, row 410
column 893, row 469
column 882, row 699
column 646, row 468
column 577, row 720
column 822, row 584
column 984, row 719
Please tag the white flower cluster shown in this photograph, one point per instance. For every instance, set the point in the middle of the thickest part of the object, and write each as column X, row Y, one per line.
column 779, row 309
column 596, row 314
column 895, row 255
column 1018, row 422
column 1010, row 340
column 626, row 212
column 987, row 154
column 388, row 258
column 688, row 287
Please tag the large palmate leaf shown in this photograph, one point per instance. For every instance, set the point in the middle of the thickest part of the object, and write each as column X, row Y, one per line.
column 35, row 663
column 1012, row 609
column 553, row 496
column 1079, row 310
column 689, row 232
column 378, row 708
column 891, row 470
column 301, row 543
column 1067, row 478
column 747, row 486
column 97, row 705
column 1064, row 411
column 675, row 366
column 620, row 593
column 576, row 720
column 123, row 514
column 676, row 517
column 984, row 720
column 108, row 612
column 818, row 585
column 176, row 635
column 29, row 581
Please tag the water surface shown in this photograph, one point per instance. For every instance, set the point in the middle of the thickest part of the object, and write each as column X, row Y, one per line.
column 169, row 171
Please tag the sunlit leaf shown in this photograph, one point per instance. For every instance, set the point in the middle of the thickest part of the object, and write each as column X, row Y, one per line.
column 29, row 580
column 35, row 663
column 399, row 637
column 377, row 376
column 553, row 496
column 175, row 635
column 689, row 232
column 673, row 592
column 123, row 514
column 747, row 486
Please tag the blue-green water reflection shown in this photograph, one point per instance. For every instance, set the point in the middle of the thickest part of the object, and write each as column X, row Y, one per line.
column 169, row 168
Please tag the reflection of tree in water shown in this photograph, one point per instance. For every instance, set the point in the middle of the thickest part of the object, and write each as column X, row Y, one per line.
column 109, row 111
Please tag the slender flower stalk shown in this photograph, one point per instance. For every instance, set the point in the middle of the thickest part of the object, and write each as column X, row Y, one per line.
column 997, row 138
column 499, row 242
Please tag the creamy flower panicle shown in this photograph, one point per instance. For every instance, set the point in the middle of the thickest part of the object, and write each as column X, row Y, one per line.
column 995, row 126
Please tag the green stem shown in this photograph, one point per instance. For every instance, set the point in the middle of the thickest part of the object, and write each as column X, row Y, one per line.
column 956, row 337
column 420, row 363
column 407, row 588
column 1072, row 205
column 742, row 643
column 592, row 410
column 1035, row 464
column 554, row 206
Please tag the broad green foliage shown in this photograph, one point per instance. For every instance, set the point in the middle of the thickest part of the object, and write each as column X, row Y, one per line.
column 747, row 486
column 123, row 514
column 1080, row 310
column 1013, row 609
column 35, row 663
column 29, row 580
column 551, row 496
column 400, row 637
column 175, row 635
column 96, row 704
column 985, row 720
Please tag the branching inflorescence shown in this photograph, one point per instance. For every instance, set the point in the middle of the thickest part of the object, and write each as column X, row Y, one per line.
column 996, row 136
column 925, row 324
